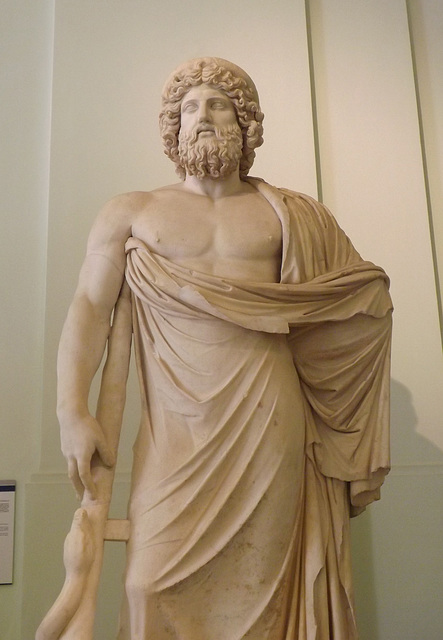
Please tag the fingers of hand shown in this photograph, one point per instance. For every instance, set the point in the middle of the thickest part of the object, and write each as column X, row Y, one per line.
column 75, row 477
column 79, row 449
column 84, row 472
column 105, row 453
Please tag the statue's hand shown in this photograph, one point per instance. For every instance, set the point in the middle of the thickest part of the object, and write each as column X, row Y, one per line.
column 80, row 440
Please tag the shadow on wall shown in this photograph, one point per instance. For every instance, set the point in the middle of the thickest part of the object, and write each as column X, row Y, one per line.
column 408, row 446
column 395, row 539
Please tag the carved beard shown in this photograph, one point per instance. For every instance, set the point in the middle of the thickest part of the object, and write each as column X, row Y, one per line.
column 215, row 157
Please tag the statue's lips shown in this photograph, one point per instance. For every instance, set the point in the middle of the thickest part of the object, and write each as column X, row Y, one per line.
column 205, row 129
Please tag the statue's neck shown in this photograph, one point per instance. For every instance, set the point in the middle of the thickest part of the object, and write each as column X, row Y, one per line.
column 214, row 188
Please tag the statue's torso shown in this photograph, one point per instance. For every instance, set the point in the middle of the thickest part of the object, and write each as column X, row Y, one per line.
column 236, row 237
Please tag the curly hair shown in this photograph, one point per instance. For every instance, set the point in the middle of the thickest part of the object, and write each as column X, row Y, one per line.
column 226, row 77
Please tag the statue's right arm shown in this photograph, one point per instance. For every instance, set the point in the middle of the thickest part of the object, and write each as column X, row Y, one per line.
column 83, row 342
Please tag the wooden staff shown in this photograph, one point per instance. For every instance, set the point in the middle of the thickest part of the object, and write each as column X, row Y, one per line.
column 73, row 613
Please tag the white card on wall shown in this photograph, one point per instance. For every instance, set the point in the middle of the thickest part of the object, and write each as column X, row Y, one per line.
column 7, row 508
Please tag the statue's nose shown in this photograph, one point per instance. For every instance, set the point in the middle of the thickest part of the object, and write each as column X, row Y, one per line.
column 203, row 113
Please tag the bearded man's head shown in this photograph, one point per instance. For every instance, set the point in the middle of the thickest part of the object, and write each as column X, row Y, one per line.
column 231, row 146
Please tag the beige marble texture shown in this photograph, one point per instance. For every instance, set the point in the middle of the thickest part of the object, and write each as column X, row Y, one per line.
column 262, row 343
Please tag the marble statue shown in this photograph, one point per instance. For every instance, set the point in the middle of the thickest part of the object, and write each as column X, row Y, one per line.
column 262, row 344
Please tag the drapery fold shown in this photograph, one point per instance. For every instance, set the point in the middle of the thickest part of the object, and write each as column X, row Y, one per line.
column 265, row 421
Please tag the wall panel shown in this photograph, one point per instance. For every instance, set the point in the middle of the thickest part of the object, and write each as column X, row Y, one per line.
column 25, row 89
column 426, row 25
column 372, row 176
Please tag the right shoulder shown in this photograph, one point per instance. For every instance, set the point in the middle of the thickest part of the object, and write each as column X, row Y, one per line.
column 113, row 225
column 118, row 215
column 126, row 205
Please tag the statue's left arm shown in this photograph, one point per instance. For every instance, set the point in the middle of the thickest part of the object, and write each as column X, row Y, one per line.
column 344, row 362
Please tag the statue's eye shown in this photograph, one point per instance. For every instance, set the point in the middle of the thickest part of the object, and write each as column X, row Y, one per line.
column 189, row 107
column 218, row 104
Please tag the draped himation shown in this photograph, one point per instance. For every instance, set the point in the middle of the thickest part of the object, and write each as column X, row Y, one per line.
column 265, row 423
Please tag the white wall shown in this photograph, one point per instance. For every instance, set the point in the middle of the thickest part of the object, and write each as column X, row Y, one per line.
column 365, row 140
column 26, row 29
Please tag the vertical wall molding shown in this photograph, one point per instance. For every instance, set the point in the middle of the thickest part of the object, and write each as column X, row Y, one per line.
column 313, row 101
column 438, row 280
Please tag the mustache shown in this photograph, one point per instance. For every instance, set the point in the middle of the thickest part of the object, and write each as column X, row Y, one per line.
column 204, row 127
column 221, row 133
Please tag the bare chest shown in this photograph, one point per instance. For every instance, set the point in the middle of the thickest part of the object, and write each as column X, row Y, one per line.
column 233, row 237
